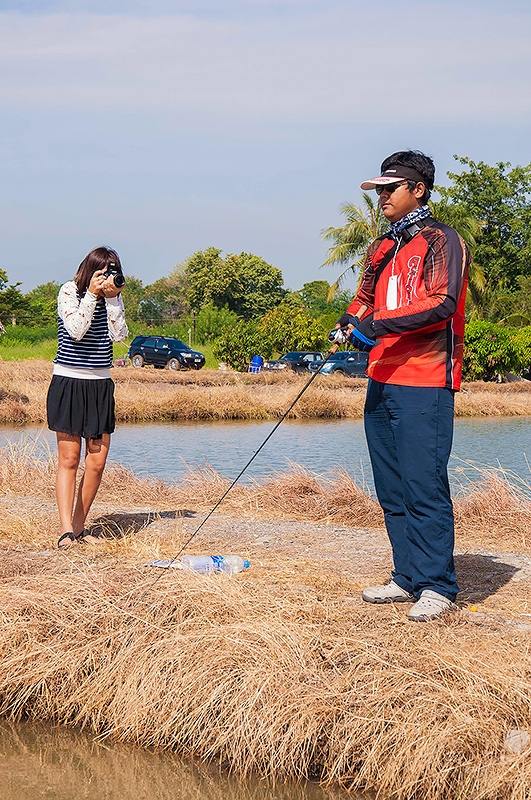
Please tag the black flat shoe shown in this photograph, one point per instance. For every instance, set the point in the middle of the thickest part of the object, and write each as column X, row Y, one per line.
column 66, row 540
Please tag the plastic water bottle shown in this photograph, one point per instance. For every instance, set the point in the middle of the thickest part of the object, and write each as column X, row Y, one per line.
column 230, row 565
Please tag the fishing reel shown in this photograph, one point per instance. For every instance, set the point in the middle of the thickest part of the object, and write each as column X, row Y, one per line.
column 339, row 336
column 352, row 335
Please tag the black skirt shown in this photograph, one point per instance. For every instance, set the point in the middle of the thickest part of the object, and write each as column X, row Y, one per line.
column 81, row 407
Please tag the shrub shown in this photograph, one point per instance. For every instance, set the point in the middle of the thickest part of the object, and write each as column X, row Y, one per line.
column 290, row 326
column 211, row 322
column 490, row 350
column 239, row 342
column 24, row 334
column 521, row 339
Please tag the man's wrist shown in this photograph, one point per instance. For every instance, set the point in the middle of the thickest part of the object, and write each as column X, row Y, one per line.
column 346, row 319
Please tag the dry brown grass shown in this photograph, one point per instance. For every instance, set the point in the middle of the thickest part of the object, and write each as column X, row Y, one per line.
column 495, row 512
column 156, row 395
column 276, row 672
column 280, row 671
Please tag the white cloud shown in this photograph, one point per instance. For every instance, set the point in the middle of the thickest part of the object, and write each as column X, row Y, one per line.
column 347, row 64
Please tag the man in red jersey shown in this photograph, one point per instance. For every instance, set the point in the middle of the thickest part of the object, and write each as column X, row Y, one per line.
column 409, row 313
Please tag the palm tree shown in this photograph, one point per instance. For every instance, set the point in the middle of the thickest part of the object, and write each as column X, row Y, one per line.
column 350, row 241
column 469, row 229
column 363, row 224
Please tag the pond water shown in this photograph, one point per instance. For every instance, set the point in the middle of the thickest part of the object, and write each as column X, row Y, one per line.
column 168, row 450
column 44, row 762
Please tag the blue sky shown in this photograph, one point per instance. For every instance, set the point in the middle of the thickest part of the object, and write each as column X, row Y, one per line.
column 163, row 127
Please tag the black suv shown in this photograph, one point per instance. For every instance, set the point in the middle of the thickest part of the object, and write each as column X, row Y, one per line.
column 298, row 360
column 164, row 351
column 346, row 362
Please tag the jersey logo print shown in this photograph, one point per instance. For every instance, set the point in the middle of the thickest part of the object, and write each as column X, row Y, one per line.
column 413, row 265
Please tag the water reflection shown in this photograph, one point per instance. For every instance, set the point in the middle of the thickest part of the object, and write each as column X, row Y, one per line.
column 55, row 763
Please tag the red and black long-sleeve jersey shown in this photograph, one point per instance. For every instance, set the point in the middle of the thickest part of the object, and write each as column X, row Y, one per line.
column 420, row 341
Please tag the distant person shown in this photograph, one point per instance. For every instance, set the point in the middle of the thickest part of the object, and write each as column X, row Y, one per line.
column 80, row 402
column 409, row 312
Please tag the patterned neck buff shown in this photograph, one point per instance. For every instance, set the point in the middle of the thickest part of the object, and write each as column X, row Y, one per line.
column 414, row 216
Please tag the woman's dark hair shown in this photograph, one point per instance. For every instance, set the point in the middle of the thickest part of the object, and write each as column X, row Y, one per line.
column 419, row 162
column 100, row 258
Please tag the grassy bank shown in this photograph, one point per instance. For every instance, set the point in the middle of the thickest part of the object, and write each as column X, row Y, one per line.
column 281, row 670
column 496, row 512
column 156, row 395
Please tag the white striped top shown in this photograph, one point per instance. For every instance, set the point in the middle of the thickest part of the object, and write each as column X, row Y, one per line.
column 87, row 326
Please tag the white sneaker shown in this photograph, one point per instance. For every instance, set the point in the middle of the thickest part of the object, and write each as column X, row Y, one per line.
column 430, row 605
column 389, row 593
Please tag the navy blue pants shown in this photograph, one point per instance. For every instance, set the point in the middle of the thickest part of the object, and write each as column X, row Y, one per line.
column 409, row 432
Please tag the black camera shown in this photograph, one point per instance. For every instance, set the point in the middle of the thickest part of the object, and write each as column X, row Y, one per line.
column 116, row 274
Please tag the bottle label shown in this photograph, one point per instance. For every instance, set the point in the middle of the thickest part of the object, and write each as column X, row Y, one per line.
column 217, row 561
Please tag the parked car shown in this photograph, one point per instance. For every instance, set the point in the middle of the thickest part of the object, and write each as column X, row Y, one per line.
column 346, row 362
column 298, row 360
column 164, row 351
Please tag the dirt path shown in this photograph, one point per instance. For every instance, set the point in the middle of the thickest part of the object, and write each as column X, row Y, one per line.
column 495, row 585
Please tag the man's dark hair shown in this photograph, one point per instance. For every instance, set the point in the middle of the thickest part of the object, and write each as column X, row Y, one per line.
column 415, row 160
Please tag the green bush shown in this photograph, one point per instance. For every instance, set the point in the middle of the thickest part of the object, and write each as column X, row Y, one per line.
column 521, row 338
column 20, row 334
column 290, row 326
column 239, row 343
column 490, row 350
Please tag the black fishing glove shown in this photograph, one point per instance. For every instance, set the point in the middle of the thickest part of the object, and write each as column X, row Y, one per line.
column 347, row 319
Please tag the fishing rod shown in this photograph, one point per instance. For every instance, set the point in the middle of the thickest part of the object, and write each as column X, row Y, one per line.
column 338, row 337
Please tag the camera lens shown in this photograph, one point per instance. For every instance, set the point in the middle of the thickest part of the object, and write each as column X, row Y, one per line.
column 118, row 280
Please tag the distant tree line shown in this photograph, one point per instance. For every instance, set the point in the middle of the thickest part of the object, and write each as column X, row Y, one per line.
column 239, row 301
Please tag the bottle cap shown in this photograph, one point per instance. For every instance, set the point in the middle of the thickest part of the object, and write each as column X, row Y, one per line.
column 246, row 563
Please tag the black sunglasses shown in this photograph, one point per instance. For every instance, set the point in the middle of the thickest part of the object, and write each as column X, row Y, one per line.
column 388, row 187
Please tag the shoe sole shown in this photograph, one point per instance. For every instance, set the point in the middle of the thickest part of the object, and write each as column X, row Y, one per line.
column 381, row 601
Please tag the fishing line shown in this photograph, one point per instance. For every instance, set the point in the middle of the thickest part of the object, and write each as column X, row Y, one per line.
column 331, row 352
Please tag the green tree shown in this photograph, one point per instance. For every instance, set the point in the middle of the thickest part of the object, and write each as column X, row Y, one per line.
column 244, row 283
column 521, row 338
column 314, row 295
column 133, row 294
column 198, row 269
column 489, row 351
column 457, row 216
column 319, row 298
column 499, row 196
column 239, row 342
column 290, row 326
column 211, row 322
column 517, row 309
column 164, row 300
column 14, row 307
column 43, row 302
column 350, row 241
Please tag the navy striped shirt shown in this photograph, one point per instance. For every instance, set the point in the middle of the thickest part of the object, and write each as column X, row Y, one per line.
column 94, row 350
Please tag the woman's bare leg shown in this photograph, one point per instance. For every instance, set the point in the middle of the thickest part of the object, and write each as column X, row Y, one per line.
column 95, row 459
column 68, row 454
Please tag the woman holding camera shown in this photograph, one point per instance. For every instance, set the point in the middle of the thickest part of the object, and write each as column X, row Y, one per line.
column 80, row 402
